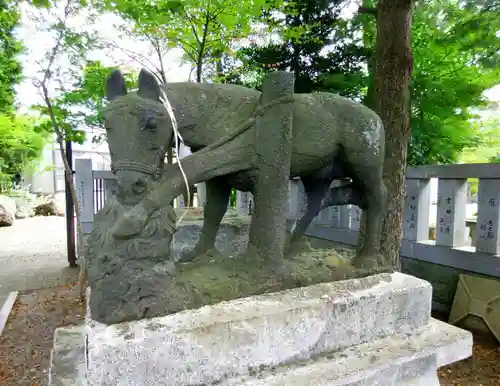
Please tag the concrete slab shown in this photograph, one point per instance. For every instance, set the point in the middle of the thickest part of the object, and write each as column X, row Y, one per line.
column 5, row 309
column 402, row 359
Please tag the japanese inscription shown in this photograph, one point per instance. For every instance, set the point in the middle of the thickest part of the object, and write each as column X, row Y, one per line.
column 446, row 216
column 411, row 217
column 486, row 228
column 355, row 217
column 488, row 216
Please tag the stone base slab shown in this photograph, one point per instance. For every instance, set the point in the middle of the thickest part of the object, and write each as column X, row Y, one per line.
column 402, row 359
column 353, row 332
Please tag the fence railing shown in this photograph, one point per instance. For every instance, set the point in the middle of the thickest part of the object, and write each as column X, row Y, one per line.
column 437, row 230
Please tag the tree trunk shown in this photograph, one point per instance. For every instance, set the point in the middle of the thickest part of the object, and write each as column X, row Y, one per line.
column 393, row 69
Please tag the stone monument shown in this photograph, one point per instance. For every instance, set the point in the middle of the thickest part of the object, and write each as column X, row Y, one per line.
column 263, row 316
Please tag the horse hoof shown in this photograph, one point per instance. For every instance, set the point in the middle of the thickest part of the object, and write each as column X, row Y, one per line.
column 368, row 262
column 189, row 256
column 209, row 253
column 297, row 247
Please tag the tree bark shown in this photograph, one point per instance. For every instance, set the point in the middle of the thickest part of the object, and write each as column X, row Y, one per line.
column 393, row 70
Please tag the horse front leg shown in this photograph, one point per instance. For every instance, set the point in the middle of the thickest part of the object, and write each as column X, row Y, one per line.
column 233, row 156
column 218, row 192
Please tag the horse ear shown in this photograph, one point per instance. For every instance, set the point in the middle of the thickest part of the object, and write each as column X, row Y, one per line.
column 115, row 85
column 148, row 86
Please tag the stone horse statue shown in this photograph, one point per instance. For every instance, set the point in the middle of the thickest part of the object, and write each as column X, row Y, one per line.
column 332, row 138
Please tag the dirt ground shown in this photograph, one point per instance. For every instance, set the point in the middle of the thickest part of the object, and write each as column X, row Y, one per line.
column 483, row 368
column 26, row 342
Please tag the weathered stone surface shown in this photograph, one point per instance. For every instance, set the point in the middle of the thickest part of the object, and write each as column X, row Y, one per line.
column 7, row 211
column 479, row 297
column 358, row 332
column 6, row 218
column 131, row 279
column 236, row 338
column 68, row 358
column 399, row 360
column 236, row 134
column 136, row 278
column 24, row 205
column 231, row 239
column 49, row 208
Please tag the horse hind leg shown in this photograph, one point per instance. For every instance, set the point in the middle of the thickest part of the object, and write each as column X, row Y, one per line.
column 374, row 197
column 315, row 191
column 217, row 198
column 342, row 195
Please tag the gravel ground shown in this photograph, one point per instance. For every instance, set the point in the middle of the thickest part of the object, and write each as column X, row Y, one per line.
column 33, row 255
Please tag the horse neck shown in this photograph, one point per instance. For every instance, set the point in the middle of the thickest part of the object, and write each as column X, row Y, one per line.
column 185, row 99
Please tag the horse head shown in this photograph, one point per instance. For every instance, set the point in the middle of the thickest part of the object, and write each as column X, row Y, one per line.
column 139, row 131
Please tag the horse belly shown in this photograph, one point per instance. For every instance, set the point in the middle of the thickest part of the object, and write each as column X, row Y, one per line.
column 315, row 145
column 242, row 181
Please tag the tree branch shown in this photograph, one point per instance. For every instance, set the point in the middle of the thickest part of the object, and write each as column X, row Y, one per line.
column 134, row 56
column 187, row 44
column 489, row 55
column 202, row 46
column 55, row 50
column 192, row 24
column 155, row 42
column 368, row 11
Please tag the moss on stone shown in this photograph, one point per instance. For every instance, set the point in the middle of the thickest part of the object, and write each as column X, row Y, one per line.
column 137, row 278
column 213, row 278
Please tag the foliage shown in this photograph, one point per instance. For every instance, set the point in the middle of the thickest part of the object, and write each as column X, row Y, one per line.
column 21, row 143
column 456, row 60
column 79, row 109
column 10, row 48
column 314, row 42
column 62, row 65
column 488, row 130
column 203, row 29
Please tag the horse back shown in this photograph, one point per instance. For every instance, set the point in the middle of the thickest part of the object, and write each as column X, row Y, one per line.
column 323, row 122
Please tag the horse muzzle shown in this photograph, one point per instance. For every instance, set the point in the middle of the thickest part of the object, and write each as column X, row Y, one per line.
column 131, row 186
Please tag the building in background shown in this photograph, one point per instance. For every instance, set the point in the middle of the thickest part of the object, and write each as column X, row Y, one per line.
column 48, row 177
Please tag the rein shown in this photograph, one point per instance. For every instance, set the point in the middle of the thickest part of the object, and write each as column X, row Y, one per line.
column 154, row 171
column 157, row 170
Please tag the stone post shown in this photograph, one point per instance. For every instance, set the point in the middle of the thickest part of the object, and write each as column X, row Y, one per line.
column 452, row 201
column 273, row 142
column 488, row 216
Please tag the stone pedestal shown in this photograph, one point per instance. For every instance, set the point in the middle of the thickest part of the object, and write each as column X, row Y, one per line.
column 374, row 330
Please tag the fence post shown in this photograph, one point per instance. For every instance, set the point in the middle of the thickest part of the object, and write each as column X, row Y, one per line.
column 295, row 199
column 201, row 194
column 244, row 202
column 488, row 216
column 335, row 216
column 451, row 204
column 416, row 210
column 109, row 187
column 84, row 184
column 350, row 217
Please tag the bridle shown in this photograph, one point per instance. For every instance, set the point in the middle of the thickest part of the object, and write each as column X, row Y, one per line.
column 154, row 171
